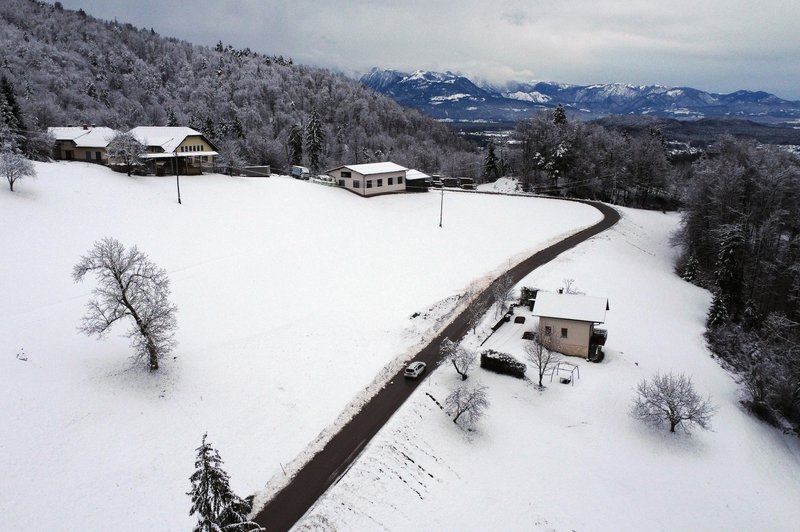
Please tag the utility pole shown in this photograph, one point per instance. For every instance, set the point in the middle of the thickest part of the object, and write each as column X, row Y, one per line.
column 441, row 208
column 177, row 176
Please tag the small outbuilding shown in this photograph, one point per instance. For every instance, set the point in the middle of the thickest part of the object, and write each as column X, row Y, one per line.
column 417, row 181
column 371, row 179
column 567, row 322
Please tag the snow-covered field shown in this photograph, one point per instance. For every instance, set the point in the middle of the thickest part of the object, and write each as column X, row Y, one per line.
column 292, row 297
column 570, row 457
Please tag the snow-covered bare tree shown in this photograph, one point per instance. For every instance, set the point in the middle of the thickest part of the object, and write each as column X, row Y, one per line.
column 130, row 285
column 462, row 359
column 217, row 507
column 124, row 149
column 467, row 404
column 671, row 399
column 542, row 358
column 14, row 167
column 501, row 290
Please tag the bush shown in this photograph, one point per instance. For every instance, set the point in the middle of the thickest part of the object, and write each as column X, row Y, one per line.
column 502, row 363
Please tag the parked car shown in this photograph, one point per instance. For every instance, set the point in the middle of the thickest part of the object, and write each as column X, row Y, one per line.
column 450, row 182
column 414, row 370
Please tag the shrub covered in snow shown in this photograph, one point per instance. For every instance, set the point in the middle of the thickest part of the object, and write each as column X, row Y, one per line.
column 502, row 363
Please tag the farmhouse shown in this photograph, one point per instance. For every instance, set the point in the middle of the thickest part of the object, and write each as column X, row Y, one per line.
column 371, row 179
column 567, row 322
column 168, row 145
column 81, row 143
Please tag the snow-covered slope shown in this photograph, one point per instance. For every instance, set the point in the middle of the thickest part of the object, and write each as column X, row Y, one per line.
column 291, row 296
column 570, row 457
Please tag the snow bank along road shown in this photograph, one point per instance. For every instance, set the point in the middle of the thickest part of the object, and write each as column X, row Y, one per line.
column 328, row 465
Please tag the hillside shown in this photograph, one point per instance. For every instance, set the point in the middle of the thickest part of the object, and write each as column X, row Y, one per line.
column 570, row 457
column 70, row 68
column 292, row 297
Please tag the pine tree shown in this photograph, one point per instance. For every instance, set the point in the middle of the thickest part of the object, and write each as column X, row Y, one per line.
column 217, row 507
column 690, row 269
column 315, row 137
column 295, row 145
column 172, row 120
column 718, row 313
column 490, row 168
column 11, row 117
column 560, row 116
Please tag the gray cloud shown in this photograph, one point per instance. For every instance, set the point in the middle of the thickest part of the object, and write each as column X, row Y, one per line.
column 716, row 45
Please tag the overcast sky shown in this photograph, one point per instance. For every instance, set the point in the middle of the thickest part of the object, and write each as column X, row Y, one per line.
column 713, row 45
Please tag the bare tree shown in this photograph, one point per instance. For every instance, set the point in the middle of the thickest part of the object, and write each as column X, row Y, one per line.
column 467, row 404
column 570, row 288
column 501, row 290
column 14, row 166
column 125, row 149
column 462, row 359
column 129, row 285
column 671, row 399
column 542, row 358
column 475, row 315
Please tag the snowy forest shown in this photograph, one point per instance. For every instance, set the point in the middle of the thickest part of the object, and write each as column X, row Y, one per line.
column 68, row 68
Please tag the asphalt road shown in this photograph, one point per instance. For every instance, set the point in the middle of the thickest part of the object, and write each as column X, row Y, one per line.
column 325, row 468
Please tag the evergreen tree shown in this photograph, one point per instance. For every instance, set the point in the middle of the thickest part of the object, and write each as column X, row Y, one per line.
column 491, row 170
column 691, row 269
column 560, row 116
column 315, row 137
column 217, row 507
column 718, row 313
column 11, row 117
column 172, row 120
column 295, row 145
column 728, row 272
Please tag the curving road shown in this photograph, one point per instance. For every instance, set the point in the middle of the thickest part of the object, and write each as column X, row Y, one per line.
column 325, row 468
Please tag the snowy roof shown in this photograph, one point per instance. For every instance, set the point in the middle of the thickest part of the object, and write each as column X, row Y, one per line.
column 168, row 138
column 83, row 136
column 413, row 175
column 375, row 168
column 571, row 307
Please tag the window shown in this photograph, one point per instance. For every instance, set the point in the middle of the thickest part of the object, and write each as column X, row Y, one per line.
column 369, row 183
column 399, row 180
column 356, row 183
column 379, row 183
column 390, row 181
column 563, row 332
column 98, row 156
column 341, row 182
column 88, row 156
column 548, row 330
column 345, row 173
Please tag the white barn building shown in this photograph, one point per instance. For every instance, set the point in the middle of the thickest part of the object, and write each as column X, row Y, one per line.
column 371, row 179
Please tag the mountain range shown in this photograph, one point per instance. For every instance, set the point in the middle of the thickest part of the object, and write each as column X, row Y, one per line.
column 453, row 98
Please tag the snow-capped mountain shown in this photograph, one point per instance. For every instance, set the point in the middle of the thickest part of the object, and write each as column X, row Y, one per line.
column 448, row 96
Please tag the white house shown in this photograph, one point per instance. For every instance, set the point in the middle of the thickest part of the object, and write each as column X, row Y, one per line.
column 567, row 322
column 165, row 145
column 81, row 143
column 371, row 179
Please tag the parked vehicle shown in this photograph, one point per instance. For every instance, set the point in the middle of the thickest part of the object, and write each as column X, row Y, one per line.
column 300, row 172
column 414, row 370
column 450, row 182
